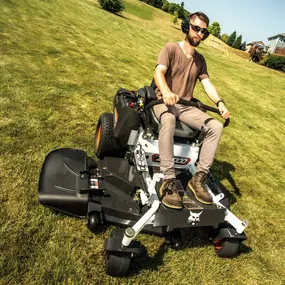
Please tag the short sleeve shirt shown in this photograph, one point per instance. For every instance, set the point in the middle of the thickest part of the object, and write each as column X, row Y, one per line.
column 182, row 72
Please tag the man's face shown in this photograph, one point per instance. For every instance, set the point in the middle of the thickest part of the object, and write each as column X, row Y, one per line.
column 194, row 38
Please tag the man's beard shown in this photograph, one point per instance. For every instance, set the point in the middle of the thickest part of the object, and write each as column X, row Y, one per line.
column 191, row 41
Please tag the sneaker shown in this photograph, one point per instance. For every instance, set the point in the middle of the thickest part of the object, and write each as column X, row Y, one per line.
column 189, row 204
column 169, row 194
column 197, row 185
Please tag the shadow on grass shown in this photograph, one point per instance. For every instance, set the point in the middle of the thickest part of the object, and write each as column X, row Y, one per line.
column 120, row 15
column 191, row 238
column 144, row 261
column 176, row 28
column 244, row 249
column 222, row 170
column 194, row 237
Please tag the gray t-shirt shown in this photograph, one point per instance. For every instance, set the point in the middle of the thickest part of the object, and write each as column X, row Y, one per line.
column 182, row 72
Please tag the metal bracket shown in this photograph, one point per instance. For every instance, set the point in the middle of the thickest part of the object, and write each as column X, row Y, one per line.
column 148, row 217
column 144, row 198
column 140, row 159
column 229, row 216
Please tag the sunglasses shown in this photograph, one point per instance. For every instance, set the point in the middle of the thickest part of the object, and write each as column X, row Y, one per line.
column 197, row 29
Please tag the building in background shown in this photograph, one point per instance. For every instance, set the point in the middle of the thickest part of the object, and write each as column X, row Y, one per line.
column 259, row 44
column 277, row 44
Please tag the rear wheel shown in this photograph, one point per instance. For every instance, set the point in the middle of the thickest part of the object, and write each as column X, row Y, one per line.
column 227, row 247
column 105, row 141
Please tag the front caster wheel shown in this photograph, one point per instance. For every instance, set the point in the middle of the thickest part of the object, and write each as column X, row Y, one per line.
column 118, row 263
column 174, row 239
column 227, row 247
column 94, row 222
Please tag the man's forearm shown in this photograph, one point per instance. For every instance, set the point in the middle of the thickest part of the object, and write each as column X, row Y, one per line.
column 168, row 97
column 160, row 82
column 212, row 92
column 214, row 96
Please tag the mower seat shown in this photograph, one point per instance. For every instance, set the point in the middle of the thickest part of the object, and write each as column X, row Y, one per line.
column 181, row 130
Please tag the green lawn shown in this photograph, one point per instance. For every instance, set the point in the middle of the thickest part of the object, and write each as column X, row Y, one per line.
column 61, row 63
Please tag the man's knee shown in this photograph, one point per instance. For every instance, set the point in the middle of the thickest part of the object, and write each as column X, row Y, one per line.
column 168, row 120
column 215, row 126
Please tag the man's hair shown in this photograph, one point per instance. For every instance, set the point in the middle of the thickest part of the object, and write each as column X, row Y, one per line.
column 201, row 16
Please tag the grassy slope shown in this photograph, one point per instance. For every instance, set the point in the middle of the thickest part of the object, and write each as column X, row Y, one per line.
column 60, row 64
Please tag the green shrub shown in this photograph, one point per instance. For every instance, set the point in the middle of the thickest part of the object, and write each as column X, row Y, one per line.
column 113, row 6
column 275, row 62
column 175, row 18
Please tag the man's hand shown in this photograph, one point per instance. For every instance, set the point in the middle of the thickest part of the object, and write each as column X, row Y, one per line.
column 225, row 114
column 170, row 98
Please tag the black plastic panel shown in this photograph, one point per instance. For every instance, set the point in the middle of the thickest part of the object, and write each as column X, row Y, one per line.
column 60, row 181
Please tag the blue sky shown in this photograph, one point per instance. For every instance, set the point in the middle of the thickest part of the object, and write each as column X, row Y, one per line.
column 255, row 20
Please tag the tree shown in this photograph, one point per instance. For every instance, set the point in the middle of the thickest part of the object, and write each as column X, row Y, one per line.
column 224, row 37
column 154, row 3
column 113, row 6
column 157, row 3
column 171, row 8
column 186, row 14
column 215, row 29
column 232, row 39
column 179, row 10
column 165, row 5
column 168, row 7
column 175, row 18
column 243, row 46
column 237, row 42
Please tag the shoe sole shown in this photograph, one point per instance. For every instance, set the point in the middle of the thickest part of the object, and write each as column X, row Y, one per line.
column 187, row 205
column 171, row 206
column 192, row 208
column 199, row 199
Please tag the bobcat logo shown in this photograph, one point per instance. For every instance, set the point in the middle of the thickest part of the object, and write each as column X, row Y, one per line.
column 194, row 218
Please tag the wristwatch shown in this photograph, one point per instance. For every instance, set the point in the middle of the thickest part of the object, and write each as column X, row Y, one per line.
column 221, row 100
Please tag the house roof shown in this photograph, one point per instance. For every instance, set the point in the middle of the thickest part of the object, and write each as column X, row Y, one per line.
column 258, row 42
column 276, row 36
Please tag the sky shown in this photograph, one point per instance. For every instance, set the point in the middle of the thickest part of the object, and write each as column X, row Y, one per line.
column 255, row 20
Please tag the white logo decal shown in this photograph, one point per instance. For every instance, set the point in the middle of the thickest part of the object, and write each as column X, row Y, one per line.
column 194, row 218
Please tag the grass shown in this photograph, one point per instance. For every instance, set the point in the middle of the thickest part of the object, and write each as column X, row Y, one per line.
column 61, row 63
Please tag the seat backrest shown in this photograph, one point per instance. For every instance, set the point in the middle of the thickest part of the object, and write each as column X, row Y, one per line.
column 181, row 130
column 150, row 94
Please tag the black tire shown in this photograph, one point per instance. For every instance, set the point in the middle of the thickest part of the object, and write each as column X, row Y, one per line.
column 227, row 247
column 105, row 141
column 94, row 222
column 118, row 263
column 117, row 233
